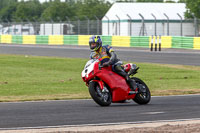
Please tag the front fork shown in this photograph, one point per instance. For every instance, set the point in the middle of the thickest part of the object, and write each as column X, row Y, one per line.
column 100, row 82
column 102, row 91
column 102, row 86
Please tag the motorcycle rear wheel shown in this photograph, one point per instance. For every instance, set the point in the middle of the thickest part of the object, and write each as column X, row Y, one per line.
column 142, row 97
column 101, row 98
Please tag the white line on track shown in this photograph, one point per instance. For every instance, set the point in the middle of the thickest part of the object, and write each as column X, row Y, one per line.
column 103, row 124
column 100, row 124
column 152, row 113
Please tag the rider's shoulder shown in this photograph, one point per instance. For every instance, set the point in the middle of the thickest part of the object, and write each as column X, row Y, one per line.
column 107, row 46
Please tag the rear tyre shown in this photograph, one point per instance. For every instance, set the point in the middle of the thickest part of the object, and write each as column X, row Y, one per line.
column 101, row 98
column 143, row 96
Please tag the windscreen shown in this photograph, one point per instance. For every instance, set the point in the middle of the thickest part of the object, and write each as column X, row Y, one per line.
column 89, row 63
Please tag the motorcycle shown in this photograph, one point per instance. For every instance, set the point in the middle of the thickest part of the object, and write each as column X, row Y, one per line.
column 106, row 86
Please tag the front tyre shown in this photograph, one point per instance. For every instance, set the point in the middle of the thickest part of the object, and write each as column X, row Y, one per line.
column 143, row 96
column 101, row 98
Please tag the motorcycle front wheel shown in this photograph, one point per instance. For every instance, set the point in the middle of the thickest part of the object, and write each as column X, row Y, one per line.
column 101, row 98
column 143, row 96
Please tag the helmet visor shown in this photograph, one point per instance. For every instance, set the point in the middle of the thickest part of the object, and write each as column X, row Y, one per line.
column 93, row 45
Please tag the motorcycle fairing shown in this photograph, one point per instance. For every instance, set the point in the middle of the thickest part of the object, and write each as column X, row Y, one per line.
column 117, row 85
column 113, row 80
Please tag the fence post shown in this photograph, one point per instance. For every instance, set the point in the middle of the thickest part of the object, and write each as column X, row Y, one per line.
column 97, row 24
column 155, row 24
column 130, row 24
column 69, row 23
column 119, row 23
column 22, row 23
column 142, row 23
column 167, row 23
column 181, row 24
column 43, row 27
column 52, row 31
column 2, row 26
column 88, row 24
column 35, row 26
column 14, row 23
column 108, row 25
column 8, row 25
column 195, row 25
column 28, row 25
column 58, row 18
column 78, row 22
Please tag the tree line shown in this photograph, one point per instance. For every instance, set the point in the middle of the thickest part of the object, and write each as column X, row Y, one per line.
column 55, row 10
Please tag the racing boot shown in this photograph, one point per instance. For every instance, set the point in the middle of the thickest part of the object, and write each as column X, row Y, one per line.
column 132, row 83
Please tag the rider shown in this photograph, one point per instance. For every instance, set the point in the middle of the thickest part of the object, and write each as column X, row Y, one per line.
column 109, row 58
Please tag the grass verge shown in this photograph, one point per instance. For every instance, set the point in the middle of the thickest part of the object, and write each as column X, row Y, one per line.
column 26, row 78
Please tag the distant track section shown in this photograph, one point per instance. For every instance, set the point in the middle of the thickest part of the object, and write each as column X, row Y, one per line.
column 167, row 56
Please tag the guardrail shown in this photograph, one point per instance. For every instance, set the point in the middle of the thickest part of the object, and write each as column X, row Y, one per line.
column 119, row 41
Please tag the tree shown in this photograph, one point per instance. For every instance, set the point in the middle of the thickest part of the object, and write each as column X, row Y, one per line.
column 57, row 9
column 7, row 9
column 170, row 1
column 93, row 7
column 150, row 1
column 193, row 8
column 7, row 13
column 182, row 1
column 29, row 10
column 5, row 3
column 34, row 10
column 125, row 1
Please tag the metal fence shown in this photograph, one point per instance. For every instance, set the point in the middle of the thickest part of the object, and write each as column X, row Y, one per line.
column 149, row 27
column 130, row 27
column 78, row 27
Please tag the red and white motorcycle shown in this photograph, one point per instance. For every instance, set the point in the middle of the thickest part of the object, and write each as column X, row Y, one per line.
column 106, row 86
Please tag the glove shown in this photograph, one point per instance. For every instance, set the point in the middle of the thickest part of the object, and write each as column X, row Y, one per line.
column 106, row 64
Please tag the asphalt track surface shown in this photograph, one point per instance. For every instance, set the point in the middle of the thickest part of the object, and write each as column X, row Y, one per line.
column 167, row 56
column 80, row 112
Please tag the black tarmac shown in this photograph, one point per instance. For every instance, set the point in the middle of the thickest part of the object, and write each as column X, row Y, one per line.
column 166, row 56
column 76, row 112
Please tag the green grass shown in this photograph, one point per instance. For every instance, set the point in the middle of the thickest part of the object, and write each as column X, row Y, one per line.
column 40, row 78
column 47, row 78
